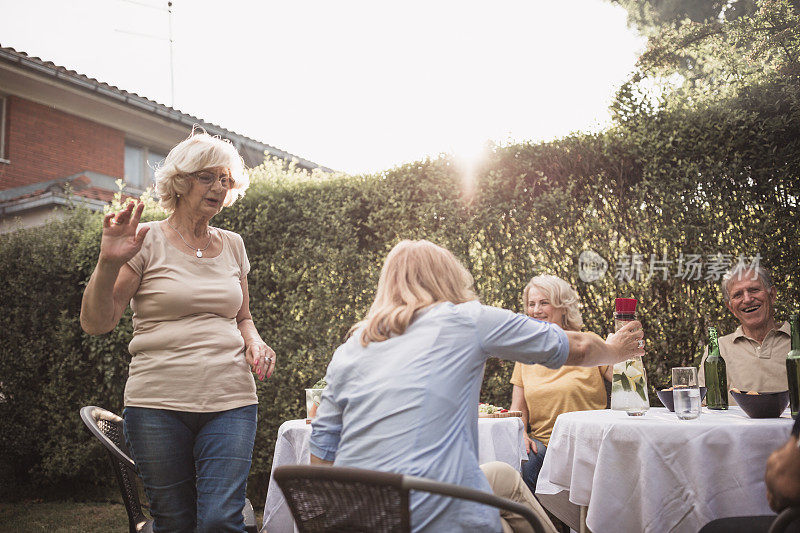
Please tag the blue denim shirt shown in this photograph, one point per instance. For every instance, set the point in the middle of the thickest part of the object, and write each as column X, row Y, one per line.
column 410, row 404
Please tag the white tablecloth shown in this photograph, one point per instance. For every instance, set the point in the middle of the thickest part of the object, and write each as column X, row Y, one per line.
column 499, row 439
column 657, row 473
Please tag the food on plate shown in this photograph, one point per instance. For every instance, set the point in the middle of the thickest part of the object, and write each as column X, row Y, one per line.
column 489, row 409
column 737, row 391
column 752, row 393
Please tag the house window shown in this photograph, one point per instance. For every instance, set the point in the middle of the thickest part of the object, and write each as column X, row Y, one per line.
column 140, row 164
column 2, row 127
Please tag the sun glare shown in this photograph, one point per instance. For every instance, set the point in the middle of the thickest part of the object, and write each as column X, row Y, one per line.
column 469, row 155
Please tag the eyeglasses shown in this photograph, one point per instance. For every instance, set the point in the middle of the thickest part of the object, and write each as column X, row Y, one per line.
column 208, row 178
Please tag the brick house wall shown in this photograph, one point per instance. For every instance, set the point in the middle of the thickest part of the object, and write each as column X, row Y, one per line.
column 45, row 144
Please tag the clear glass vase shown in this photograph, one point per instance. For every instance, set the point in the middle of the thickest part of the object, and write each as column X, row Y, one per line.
column 629, row 387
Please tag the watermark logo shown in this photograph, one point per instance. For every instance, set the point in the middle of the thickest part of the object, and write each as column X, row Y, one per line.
column 591, row 266
column 637, row 267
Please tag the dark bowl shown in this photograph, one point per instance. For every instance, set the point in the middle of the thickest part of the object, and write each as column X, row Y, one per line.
column 666, row 397
column 762, row 405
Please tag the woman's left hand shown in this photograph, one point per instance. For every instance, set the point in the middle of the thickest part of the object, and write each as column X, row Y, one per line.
column 530, row 445
column 261, row 359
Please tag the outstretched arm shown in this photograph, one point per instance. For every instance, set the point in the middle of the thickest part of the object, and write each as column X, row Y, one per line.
column 589, row 349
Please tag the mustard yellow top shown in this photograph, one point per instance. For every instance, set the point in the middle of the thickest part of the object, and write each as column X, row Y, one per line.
column 548, row 393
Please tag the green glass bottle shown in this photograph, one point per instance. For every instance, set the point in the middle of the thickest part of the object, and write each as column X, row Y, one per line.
column 716, row 375
column 793, row 367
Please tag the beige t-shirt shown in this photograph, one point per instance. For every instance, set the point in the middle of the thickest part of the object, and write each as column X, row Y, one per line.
column 752, row 366
column 188, row 353
column 550, row 392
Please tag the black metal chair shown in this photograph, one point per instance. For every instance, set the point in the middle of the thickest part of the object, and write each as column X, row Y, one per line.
column 107, row 427
column 328, row 499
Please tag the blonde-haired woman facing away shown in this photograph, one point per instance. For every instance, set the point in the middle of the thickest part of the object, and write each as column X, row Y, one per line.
column 403, row 390
column 544, row 393
column 190, row 400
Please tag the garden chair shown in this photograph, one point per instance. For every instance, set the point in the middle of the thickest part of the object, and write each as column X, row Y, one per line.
column 107, row 427
column 328, row 499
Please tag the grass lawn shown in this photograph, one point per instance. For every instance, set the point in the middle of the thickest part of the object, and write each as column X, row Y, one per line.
column 91, row 517
column 63, row 517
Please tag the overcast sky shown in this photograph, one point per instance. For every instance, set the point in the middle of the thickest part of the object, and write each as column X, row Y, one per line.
column 358, row 86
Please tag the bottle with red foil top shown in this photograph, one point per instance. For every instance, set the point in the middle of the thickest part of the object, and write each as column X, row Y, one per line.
column 629, row 382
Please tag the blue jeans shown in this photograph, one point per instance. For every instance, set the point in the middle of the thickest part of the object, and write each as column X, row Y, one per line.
column 194, row 465
column 530, row 470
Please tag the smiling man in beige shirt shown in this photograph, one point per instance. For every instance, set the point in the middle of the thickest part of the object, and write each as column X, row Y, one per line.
column 754, row 354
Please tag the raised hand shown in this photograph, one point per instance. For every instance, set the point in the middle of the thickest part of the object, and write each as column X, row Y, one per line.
column 120, row 241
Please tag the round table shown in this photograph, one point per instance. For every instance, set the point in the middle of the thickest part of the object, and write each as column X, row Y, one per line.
column 657, row 473
column 499, row 439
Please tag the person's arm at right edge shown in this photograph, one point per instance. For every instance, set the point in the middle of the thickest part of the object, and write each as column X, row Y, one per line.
column 589, row 349
column 783, row 474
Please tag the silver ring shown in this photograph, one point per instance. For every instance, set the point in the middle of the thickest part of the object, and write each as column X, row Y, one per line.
column 268, row 359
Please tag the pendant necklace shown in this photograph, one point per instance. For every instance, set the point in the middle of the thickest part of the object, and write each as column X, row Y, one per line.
column 198, row 251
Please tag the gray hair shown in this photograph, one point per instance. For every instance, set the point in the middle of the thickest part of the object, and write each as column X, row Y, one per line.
column 740, row 271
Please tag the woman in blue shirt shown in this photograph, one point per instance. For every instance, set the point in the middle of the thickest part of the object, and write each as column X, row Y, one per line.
column 403, row 390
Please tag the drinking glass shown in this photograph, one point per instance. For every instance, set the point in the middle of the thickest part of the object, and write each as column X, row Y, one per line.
column 313, row 399
column 686, row 392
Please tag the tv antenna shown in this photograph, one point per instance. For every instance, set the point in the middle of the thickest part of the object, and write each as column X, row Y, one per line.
column 169, row 38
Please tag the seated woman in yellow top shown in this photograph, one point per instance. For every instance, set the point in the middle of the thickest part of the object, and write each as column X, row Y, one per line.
column 541, row 393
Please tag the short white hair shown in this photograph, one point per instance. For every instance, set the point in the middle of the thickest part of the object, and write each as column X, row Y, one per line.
column 198, row 151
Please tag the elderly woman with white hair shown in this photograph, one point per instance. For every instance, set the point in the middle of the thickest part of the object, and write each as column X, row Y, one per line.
column 190, row 399
column 542, row 393
column 403, row 390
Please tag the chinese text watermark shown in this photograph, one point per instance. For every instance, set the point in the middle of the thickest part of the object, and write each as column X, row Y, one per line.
column 638, row 267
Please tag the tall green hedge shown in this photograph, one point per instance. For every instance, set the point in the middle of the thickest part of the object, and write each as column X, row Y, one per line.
column 718, row 179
